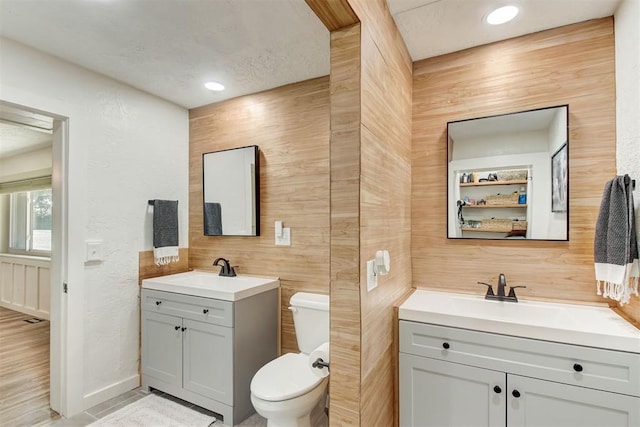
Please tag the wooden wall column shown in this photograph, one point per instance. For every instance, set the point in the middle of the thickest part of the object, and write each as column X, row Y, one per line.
column 345, row 227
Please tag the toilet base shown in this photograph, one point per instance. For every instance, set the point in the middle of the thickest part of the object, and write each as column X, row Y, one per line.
column 317, row 418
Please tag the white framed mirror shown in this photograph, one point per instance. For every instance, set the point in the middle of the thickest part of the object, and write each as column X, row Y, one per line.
column 231, row 192
column 508, row 176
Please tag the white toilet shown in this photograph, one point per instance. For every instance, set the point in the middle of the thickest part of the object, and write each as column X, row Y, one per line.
column 285, row 391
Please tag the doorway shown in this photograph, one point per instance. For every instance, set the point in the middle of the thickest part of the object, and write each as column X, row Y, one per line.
column 33, row 185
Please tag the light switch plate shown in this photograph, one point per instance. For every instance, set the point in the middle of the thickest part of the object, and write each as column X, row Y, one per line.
column 285, row 238
column 372, row 279
column 94, row 250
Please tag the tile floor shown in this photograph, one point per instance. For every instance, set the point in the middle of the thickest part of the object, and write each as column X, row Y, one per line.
column 102, row 410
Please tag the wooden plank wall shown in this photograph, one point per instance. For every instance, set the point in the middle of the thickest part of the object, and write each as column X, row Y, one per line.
column 344, row 386
column 147, row 267
column 290, row 124
column 385, row 201
column 569, row 65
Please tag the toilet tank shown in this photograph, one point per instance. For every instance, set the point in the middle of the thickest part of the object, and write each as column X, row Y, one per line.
column 310, row 319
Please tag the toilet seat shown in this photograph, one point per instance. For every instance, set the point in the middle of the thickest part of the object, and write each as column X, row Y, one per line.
column 284, row 378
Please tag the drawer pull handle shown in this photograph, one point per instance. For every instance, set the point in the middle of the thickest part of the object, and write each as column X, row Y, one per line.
column 445, row 345
column 577, row 367
column 158, row 302
column 205, row 311
column 184, row 329
column 497, row 389
column 515, row 393
column 176, row 327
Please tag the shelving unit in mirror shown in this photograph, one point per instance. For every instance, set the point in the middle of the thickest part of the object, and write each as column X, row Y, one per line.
column 492, row 205
column 505, row 178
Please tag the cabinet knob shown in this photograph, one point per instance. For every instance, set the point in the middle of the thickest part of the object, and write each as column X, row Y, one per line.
column 445, row 345
column 497, row 389
column 205, row 311
column 158, row 302
column 515, row 393
column 176, row 327
column 184, row 329
column 577, row 367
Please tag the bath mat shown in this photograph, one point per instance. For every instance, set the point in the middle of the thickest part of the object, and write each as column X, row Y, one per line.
column 155, row 411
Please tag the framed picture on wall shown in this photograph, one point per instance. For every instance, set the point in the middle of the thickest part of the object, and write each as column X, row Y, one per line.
column 559, row 179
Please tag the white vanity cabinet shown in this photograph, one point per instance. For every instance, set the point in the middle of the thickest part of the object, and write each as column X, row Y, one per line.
column 459, row 377
column 205, row 350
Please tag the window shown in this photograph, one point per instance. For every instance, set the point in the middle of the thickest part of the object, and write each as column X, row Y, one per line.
column 30, row 222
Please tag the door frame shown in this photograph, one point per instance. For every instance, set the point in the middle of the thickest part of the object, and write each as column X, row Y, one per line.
column 66, row 308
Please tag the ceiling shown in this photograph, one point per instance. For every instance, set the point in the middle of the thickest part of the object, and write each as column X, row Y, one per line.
column 170, row 48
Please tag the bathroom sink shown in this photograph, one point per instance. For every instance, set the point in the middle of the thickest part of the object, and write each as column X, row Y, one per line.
column 596, row 326
column 210, row 285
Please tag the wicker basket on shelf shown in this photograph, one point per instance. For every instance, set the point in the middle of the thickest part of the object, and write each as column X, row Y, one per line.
column 519, row 225
column 512, row 175
column 502, row 199
column 498, row 225
column 503, row 225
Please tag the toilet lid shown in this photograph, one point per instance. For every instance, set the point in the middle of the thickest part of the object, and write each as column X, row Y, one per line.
column 284, row 378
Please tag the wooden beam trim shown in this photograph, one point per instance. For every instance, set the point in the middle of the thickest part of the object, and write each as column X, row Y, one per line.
column 334, row 14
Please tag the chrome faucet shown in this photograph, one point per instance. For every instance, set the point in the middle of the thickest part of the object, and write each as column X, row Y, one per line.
column 501, row 296
column 226, row 269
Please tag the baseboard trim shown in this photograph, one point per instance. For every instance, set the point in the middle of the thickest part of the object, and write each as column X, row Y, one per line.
column 26, row 310
column 92, row 399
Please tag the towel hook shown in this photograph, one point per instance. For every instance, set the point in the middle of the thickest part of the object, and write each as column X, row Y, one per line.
column 627, row 178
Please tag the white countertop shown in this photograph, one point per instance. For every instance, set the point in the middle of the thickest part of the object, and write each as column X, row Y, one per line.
column 592, row 326
column 210, row 285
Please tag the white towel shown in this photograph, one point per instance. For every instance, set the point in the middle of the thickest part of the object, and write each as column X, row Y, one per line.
column 616, row 243
column 165, row 255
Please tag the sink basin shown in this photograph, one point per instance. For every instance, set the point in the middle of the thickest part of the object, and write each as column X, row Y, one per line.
column 210, row 285
column 595, row 326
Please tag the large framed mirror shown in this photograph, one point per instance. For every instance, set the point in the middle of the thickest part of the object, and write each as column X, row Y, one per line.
column 231, row 192
column 508, row 176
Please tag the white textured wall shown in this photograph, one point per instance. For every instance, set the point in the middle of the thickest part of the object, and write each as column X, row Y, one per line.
column 627, row 30
column 125, row 147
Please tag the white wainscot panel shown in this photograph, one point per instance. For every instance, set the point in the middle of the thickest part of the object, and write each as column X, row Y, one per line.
column 25, row 284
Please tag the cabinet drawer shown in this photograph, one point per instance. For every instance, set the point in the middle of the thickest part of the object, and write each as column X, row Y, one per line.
column 602, row 369
column 207, row 310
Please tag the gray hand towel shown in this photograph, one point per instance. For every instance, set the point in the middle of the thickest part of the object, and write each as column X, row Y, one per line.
column 165, row 232
column 616, row 244
column 212, row 219
column 165, row 223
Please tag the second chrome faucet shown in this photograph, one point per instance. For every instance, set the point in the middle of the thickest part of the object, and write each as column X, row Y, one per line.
column 500, row 295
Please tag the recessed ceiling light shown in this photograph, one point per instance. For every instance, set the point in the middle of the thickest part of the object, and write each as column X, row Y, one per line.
column 502, row 15
column 214, row 86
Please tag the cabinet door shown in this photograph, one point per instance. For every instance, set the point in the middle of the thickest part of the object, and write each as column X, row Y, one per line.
column 162, row 347
column 437, row 393
column 208, row 365
column 549, row 404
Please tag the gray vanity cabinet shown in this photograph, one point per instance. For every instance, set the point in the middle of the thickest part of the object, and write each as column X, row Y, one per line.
column 458, row 377
column 207, row 359
column 437, row 393
column 162, row 347
column 206, row 351
column 189, row 354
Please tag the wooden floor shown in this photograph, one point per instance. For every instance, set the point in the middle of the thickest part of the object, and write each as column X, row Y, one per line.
column 24, row 370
